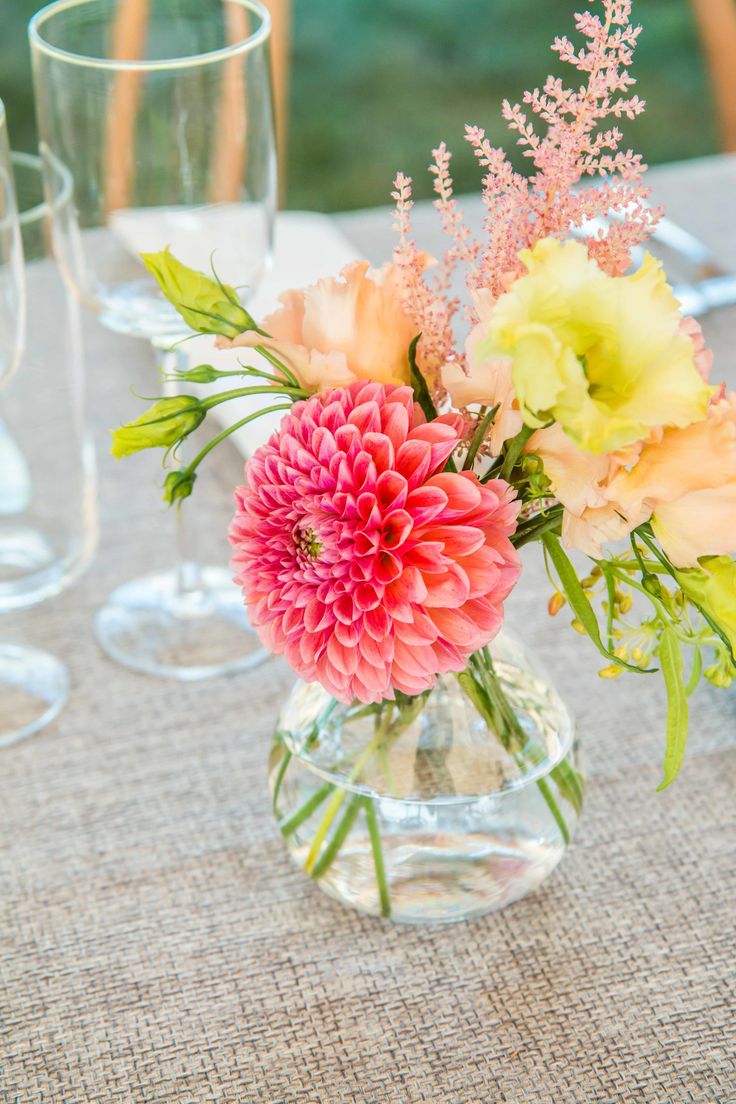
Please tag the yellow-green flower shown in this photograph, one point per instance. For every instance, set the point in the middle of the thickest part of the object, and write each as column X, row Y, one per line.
column 206, row 305
column 162, row 425
column 712, row 587
column 602, row 355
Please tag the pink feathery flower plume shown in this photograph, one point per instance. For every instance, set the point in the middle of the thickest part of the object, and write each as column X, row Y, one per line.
column 362, row 560
column 573, row 144
column 430, row 308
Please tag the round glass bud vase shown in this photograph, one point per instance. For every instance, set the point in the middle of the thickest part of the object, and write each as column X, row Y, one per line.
column 434, row 808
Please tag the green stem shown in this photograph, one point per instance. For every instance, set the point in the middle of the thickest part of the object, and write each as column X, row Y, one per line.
column 194, row 464
column 329, row 854
column 554, row 808
column 375, row 836
column 280, row 778
column 501, row 719
column 269, row 356
column 339, row 795
column 537, row 527
column 246, row 392
column 306, row 810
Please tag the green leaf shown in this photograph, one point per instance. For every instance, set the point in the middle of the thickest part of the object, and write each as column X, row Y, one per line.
column 514, row 449
column 670, row 656
column 479, row 437
column 578, row 600
column 422, row 395
column 419, row 384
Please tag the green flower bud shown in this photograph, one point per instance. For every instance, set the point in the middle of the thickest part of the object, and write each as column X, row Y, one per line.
column 205, row 304
column 203, row 373
column 178, row 485
column 165, row 423
column 652, row 586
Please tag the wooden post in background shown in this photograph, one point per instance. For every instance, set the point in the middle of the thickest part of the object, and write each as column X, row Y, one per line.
column 717, row 23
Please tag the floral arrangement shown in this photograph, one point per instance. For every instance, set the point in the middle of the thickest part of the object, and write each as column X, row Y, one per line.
column 377, row 533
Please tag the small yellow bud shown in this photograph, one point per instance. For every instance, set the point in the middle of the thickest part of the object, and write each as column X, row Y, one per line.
column 556, row 602
column 621, row 652
column 626, row 603
column 578, row 627
column 611, row 672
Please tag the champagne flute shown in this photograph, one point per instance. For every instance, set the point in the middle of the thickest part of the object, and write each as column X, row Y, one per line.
column 161, row 111
column 33, row 684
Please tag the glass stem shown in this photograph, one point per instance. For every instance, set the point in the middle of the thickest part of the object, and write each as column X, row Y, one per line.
column 169, row 360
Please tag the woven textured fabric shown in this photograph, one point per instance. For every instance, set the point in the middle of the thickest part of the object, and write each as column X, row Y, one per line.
column 158, row 946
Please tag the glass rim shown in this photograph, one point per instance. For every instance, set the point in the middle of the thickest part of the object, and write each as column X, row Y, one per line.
column 38, row 211
column 243, row 46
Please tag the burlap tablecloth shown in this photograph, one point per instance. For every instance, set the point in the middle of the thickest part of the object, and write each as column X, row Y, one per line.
column 158, row 946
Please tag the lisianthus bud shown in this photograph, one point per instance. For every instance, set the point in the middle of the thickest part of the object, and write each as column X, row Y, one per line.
column 206, row 305
column 162, row 425
column 203, row 373
column 178, row 485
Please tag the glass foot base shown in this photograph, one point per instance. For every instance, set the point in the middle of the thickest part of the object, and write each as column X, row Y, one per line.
column 151, row 626
column 33, row 689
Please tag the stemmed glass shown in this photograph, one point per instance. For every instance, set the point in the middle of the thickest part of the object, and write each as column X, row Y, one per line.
column 161, row 111
column 33, row 685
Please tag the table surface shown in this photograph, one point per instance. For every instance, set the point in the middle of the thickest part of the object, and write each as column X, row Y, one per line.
column 158, row 946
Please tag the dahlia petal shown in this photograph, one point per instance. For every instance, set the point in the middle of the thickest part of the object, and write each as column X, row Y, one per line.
column 366, row 597
column 463, row 493
column 379, row 653
column 395, row 423
column 410, row 588
column 455, row 628
column 344, row 609
column 345, row 659
column 348, row 635
column 376, row 622
column 420, row 631
column 380, row 448
column 413, row 461
column 388, row 567
column 450, row 589
column 397, row 526
column 391, row 490
column 418, row 660
column 457, row 540
column 426, row 503
column 366, row 418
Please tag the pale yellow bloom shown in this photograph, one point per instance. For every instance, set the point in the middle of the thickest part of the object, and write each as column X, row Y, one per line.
column 603, row 356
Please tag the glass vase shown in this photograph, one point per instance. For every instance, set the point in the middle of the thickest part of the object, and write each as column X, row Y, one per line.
column 435, row 808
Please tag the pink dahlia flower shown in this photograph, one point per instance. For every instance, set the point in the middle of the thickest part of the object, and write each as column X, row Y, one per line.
column 363, row 562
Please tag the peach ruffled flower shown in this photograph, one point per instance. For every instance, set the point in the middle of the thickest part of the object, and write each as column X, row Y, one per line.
column 580, row 481
column 361, row 560
column 340, row 329
column 686, row 482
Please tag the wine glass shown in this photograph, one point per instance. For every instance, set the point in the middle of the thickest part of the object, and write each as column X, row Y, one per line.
column 33, row 684
column 161, row 110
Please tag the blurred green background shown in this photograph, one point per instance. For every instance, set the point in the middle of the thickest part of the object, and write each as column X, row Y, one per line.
column 376, row 85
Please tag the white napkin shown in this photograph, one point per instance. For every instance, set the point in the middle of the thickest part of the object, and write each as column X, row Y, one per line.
column 308, row 246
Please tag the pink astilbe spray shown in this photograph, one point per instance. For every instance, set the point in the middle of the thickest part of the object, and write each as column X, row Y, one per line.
column 430, row 307
column 573, row 144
